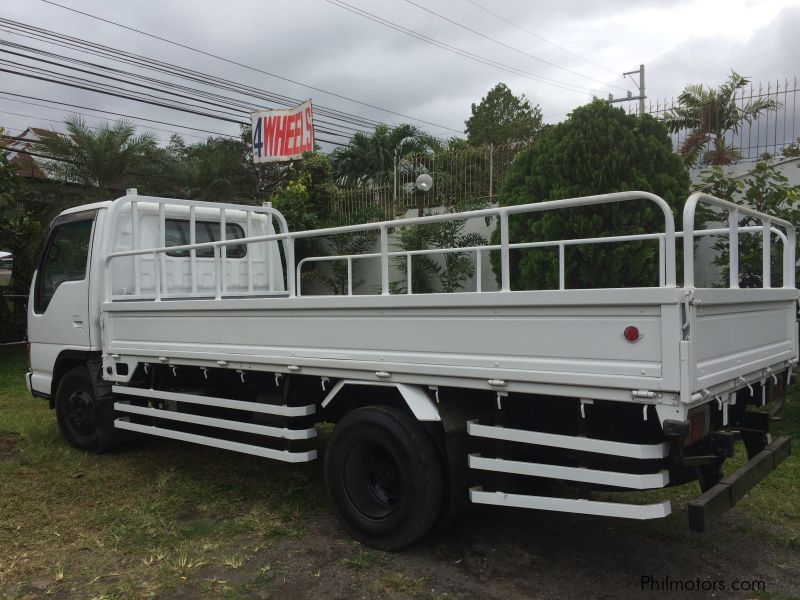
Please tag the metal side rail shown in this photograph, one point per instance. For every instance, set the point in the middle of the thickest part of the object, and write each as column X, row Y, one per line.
column 640, row 451
column 580, row 474
column 282, row 455
column 570, row 505
column 259, row 407
column 724, row 495
column 266, row 430
column 634, row 481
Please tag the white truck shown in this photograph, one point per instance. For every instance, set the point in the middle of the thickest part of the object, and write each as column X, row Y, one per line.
column 187, row 320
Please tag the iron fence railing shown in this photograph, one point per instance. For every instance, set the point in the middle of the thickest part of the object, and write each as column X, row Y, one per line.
column 477, row 172
column 770, row 133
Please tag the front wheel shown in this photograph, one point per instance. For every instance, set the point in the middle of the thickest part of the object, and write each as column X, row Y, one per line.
column 86, row 421
column 384, row 476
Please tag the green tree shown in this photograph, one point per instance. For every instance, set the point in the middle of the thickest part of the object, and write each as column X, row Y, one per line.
column 501, row 117
column 766, row 190
column 106, row 159
column 370, row 158
column 18, row 235
column 446, row 272
column 709, row 115
column 216, row 169
column 597, row 150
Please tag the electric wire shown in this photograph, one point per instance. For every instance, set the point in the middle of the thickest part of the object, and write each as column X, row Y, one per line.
column 539, row 37
column 143, row 100
column 510, row 47
column 249, row 67
column 458, row 51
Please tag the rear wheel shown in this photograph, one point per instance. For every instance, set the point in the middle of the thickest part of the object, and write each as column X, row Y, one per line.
column 85, row 421
column 384, row 476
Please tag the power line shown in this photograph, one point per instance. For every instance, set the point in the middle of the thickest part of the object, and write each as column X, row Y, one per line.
column 117, row 114
column 458, row 51
column 143, row 100
column 245, row 66
column 103, row 88
column 539, row 37
column 226, row 100
column 35, row 118
column 509, row 46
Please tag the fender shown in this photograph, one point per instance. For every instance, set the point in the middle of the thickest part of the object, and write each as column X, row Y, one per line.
column 414, row 396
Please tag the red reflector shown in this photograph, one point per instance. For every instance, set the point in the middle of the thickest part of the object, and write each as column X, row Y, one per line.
column 631, row 333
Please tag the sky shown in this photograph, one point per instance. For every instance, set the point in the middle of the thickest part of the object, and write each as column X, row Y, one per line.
column 559, row 53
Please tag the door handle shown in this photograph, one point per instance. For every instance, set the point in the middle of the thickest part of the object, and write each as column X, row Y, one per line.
column 77, row 321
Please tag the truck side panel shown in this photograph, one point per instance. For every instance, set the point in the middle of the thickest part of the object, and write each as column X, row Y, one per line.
column 735, row 332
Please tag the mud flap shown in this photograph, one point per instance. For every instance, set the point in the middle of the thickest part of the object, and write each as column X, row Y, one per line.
column 708, row 507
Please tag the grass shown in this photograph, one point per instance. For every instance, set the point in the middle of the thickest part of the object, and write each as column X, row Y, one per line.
column 135, row 522
column 165, row 519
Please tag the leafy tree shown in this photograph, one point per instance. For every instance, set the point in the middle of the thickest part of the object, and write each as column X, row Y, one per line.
column 370, row 158
column 216, row 169
column 334, row 274
column 597, row 150
column 766, row 190
column 18, row 230
column 106, row 159
column 447, row 272
column 502, row 117
column 709, row 115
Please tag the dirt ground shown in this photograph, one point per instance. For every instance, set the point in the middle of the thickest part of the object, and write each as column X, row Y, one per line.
column 503, row 554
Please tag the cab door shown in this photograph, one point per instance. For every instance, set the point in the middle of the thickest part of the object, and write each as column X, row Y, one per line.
column 58, row 311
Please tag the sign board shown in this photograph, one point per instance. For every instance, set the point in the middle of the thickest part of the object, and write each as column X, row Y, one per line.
column 282, row 134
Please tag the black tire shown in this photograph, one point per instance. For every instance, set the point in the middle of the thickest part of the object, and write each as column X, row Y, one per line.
column 384, row 476
column 86, row 422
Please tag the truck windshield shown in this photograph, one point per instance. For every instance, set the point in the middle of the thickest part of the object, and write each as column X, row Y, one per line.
column 178, row 234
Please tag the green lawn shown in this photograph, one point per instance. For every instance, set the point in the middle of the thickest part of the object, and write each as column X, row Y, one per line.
column 136, row 521
column 164, row 519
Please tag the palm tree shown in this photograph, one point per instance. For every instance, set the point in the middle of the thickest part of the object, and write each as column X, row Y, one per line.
column 708, row 115
column 103, row 159
column 370, row 158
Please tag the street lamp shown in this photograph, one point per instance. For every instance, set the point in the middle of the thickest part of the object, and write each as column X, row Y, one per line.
column 423, row 183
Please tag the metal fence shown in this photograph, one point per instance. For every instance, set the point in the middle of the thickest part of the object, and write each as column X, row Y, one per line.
column 469, row 173
column 772, row 131
column 477, row 172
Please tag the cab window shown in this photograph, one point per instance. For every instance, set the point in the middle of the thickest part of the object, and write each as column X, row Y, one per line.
column 65, row 259
column 177, row 233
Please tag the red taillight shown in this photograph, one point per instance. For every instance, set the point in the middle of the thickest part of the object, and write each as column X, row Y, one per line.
column 631, row 333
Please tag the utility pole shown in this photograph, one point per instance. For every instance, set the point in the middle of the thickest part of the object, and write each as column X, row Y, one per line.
column 630, row 96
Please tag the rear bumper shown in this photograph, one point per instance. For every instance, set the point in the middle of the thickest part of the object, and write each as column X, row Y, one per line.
column 708, row 507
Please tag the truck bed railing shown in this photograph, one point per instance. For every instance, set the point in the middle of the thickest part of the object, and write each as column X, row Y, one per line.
column 289, row 239
column 561, row 244
column 666, row 240
column 735, row 211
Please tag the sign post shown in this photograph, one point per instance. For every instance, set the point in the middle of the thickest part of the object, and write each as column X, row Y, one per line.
column 283, row 134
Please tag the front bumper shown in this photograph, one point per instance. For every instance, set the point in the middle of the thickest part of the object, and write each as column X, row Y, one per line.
column 708, row 507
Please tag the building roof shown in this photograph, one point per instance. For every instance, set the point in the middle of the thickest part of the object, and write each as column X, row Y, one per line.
column 21, row 149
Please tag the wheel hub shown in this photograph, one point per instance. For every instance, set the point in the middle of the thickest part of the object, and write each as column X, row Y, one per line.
column 81, row 413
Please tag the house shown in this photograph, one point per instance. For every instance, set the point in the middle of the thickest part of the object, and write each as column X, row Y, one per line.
column 22, row 150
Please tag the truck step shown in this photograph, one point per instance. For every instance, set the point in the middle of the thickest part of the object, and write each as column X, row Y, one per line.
column 259, row 407
column 583, row 475
column 570, row 505
column 282, row 455
column 525, row 436
column 277, row 432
